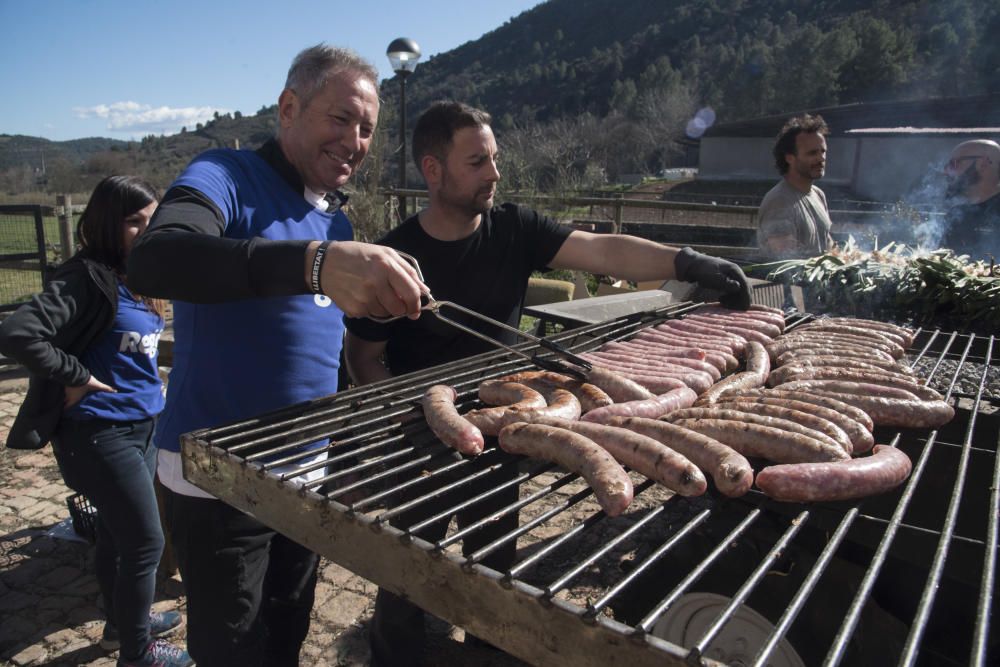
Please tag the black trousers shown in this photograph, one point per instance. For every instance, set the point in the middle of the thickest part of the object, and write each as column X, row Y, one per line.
column 249, row 589
column 397, row 633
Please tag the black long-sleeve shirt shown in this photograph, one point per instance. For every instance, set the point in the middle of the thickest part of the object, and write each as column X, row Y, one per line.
column 185, row 255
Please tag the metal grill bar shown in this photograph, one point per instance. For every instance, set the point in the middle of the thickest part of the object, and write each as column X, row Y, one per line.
column 647, row 623
column 989, row 562
column 941, row 554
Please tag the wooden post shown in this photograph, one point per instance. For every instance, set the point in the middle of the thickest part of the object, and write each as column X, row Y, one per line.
column 619, row 213
column 64, row 206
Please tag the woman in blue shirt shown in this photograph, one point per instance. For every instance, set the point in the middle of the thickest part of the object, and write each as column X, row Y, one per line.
column 90, row 346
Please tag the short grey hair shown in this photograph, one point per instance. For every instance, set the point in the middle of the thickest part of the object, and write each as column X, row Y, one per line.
column 313, row 67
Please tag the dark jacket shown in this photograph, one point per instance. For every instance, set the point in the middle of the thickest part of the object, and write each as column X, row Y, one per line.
column 48, row 334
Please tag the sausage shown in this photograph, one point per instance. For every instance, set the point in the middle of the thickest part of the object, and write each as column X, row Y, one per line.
column 676, row 363
column 653, row 345
column 442, row 416
column 561, row 405
column 762, row 418
column 860, row 437
column 807, row 418
column 619, row 388
column 589, row 395
column 895, row 350
column 885, row 379
column 888, row 411
column 785, row 344
column 739, row 329
column 578, row 454
column 847, row 387
column 834, row 361
column 856, row 414
column 658, row 381
column 665, row 350
column 644, row 455
column 662, row 333
column 758, row 366
column 907, row 335
column 499, row 392
column 776, row 320
column 766, row 442
column 729, row 469
column 650, row 407
column 839, row 327
column 759, row 325
column 710, row 332
column 885, row 469
column 826, row 351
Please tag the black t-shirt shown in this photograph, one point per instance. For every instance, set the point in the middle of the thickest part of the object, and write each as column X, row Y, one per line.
column 486, row 272
column 974, row 229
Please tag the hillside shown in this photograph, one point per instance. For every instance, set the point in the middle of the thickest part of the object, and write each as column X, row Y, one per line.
column 628, row 71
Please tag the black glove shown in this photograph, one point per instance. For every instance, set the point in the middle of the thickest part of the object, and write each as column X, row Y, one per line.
column 714, row 273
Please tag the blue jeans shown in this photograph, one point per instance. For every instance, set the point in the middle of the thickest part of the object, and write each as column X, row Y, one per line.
column 250, row 590
column 113, row 464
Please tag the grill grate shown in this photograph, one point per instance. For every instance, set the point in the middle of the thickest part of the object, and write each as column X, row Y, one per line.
column 882, row 581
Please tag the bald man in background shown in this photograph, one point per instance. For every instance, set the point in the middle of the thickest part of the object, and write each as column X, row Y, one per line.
column 973, row 192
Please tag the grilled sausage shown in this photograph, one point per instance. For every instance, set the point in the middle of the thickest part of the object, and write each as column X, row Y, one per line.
column 659, row 381
column 847, row 387
column 895, row 350
column 807, row 418
column 499, row 392
column 885, row 469
column 833, row 325
column 578, row 454
column 860, row 437
column 820, row 350
column 666, row 362
column 766, row 442
column 870, row 377
column 729, row 469
column 785, row 344
column 758, row 366
column 706, row 331
column 856, row 414
column 907, row 335
column 662, row 333
column 741, row 329
column 834, row 361
column 668, row 351
column 620, row 389
column 761, row 417
column 655, row 347
column 561, row 405
column 887, row 411
column 642, row 454
column 774, row 319
column 650, row 407
column 443, row 418
column 589, row 395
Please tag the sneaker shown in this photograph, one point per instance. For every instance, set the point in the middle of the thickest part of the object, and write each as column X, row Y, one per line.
column 160, row 654
column 161, row 624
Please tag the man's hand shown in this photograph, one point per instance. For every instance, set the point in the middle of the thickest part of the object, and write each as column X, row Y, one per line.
column 714, row 273
column 368, row 280
column 74, row 395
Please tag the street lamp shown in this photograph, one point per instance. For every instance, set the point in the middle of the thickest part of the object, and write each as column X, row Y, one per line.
column 403, row 56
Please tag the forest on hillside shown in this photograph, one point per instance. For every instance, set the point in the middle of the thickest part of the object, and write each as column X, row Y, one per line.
column 583, row 91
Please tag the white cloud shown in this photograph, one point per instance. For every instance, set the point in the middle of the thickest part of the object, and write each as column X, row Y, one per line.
column 139, row 119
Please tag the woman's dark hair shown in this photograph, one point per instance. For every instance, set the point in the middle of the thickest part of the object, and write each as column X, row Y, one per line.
column 99, row 230
column 785, row 143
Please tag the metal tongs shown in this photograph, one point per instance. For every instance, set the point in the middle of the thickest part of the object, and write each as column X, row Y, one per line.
column 570, row 364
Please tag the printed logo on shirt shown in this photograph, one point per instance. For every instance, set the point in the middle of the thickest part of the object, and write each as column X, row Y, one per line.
column 322, row 300
column 133, row 341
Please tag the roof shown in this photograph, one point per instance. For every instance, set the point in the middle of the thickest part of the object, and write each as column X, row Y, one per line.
column 970, row 115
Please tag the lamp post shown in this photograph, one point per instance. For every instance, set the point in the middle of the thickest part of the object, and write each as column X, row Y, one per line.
column 403, row 56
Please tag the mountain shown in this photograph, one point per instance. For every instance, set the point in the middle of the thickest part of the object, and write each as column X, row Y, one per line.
column 628, row 71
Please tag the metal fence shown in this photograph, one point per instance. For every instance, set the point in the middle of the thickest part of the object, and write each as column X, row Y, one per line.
column 23, row 260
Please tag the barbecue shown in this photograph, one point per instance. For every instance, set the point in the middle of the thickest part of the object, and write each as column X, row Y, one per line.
column 907, row 577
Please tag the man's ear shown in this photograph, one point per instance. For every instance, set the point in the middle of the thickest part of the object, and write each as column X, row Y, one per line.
column 431, row 168
column 289, row 107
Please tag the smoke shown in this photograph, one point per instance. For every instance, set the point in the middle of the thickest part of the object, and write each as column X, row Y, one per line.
column 921, row 210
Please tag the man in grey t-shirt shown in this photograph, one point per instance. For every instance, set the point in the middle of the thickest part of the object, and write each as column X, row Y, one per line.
column 794, row 219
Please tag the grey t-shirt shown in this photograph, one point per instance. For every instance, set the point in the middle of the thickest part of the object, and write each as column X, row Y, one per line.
column 804, row 215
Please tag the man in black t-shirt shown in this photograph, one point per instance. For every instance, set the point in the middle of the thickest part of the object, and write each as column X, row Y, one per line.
column 481, row 256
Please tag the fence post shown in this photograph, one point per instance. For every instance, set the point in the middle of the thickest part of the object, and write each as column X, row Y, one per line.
column 619, row 213
column 64, row 204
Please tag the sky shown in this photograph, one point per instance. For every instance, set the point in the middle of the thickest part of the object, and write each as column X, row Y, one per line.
column 125, row 69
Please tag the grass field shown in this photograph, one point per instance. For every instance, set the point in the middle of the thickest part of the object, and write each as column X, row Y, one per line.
column 22, row 278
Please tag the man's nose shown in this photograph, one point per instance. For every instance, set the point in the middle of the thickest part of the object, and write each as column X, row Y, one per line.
column 351, row 139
